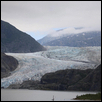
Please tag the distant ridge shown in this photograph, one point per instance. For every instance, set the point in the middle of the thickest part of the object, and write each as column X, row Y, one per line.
column 92, row 38
column 16, row 41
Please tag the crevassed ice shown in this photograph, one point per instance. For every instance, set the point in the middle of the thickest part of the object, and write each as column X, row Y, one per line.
column 32, row 66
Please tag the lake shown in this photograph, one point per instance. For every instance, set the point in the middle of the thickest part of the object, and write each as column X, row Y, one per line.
column 39, row 95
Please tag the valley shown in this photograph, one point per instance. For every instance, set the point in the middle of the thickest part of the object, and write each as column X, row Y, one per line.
column 32, row 66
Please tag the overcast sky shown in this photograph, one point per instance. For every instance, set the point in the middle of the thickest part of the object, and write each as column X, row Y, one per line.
column 38, row 18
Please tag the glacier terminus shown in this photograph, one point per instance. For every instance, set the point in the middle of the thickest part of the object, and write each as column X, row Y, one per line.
column 32, row 66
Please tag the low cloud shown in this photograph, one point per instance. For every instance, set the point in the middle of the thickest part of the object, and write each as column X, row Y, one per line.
column 72, row 30
column 43, row 16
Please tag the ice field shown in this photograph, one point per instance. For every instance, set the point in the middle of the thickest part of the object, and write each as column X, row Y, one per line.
column 32, row 66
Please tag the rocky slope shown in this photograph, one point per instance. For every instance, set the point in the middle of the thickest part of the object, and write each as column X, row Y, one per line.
column 16, row 41
column 8, row 64
column 76, row 80
column 91, row 82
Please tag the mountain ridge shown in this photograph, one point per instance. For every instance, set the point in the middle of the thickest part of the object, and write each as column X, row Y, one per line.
column 92, row 38
column 14, row 40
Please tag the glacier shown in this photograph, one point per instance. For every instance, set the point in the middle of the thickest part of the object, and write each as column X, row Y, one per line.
column 32, row 66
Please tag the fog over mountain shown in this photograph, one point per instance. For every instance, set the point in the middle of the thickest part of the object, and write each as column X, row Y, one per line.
column 41, row 16
column 72, row 30
column 75, row 37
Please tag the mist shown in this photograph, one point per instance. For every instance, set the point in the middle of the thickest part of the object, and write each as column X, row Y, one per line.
column 72, row 30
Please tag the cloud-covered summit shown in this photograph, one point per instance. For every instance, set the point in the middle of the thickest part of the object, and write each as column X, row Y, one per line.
column 71, row 30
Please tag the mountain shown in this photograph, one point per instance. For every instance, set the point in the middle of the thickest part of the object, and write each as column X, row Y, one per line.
column 8, row 64
column 49, row 38
column 92, row 38
column 16, row 41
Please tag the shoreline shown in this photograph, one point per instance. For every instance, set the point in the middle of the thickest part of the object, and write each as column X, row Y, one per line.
column 85, row 99
column 48, row 90
column 89, row 97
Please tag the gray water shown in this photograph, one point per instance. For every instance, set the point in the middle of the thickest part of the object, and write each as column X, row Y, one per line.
column 39, row 95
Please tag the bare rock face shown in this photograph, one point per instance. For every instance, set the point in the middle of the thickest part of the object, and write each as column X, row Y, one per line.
column 92, row 82
column 74, row 80
column 16, row 41
column 8, row 64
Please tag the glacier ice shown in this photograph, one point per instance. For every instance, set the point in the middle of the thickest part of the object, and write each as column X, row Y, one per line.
column 32, row 66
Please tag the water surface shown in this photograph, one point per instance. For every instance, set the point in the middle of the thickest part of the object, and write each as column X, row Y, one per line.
column 39, row 95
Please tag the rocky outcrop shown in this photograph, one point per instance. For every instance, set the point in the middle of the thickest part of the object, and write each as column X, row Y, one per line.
column 8, row 64
column 74, row 79
column 62, row 79
column 91, row 82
